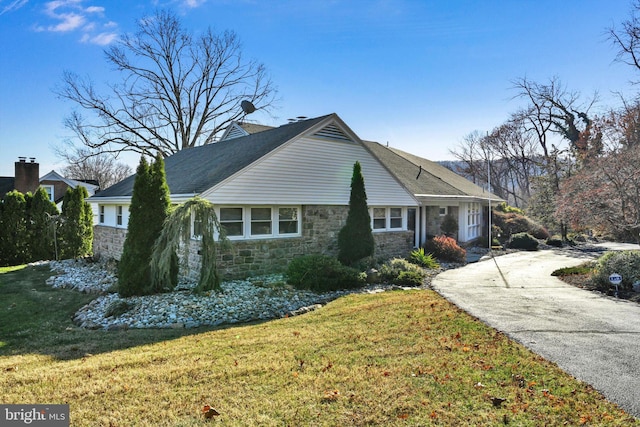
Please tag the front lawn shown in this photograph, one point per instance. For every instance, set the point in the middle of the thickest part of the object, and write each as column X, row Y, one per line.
column 393, row 358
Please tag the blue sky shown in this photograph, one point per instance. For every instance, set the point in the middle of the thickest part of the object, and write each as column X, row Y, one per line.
column 419, row 75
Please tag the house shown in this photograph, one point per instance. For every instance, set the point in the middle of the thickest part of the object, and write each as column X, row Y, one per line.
column 284, row 191
column 280, row 193
column 27, row 179
column 56, row 186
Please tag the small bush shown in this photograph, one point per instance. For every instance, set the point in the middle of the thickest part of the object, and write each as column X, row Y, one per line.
column 392, row 270
column 503, row 207
column 555, row 242
column 322, row 273
column 410, row 278
column 523, row 241
column 625, row 263
column 445, row 248
column 419, row 257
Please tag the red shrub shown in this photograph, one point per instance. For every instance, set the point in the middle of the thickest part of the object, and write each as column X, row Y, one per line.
column 446, row 249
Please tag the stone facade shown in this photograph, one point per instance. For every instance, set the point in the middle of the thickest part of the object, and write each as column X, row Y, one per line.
column 434, row 219
column 108, row 241
column 320, row 227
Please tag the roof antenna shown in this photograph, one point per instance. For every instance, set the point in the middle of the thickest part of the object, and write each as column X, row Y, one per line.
column 247, row 107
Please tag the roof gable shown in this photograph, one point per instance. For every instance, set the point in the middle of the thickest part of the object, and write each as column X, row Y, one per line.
column 194, row 170
column 424, row 177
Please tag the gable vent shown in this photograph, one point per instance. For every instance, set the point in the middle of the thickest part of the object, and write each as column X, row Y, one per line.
column 236, row 132
column 332, row 132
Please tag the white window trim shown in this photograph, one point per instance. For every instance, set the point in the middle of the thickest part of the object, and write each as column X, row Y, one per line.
column 120, row 214
column 446, row 210
column 246, row 223
column 101, row 214
column 51, row 193
column 387, row 226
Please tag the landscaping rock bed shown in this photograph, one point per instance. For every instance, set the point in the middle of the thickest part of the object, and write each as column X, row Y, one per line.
column 258, row 298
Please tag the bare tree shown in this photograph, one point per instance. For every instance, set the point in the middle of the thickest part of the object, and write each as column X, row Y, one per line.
column 177, row 90
column 554, row 109
column 627, row 38
column 82, row 164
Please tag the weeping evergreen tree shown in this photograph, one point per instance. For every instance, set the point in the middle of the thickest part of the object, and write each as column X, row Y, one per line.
column 76, row 230
column 355, row 240
column 41, row 216
column 177, row 233
column 13, row 226
column 150, row 203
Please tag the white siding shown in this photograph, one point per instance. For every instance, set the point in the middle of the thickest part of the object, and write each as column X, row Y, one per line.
column 311, row 172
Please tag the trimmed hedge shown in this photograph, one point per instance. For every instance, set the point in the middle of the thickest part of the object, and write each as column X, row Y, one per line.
column 322, row 273
column 523, row 241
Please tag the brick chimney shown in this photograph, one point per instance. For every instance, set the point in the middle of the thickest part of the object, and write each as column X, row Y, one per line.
column 27, row 175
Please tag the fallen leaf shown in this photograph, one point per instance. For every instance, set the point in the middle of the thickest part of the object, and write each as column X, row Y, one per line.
column 209, row 412
column 497, row 401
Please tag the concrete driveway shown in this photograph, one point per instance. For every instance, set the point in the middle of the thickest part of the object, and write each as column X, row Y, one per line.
column 594, row 338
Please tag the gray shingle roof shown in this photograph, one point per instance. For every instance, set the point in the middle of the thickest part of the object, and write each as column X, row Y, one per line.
column 424, row 177
column 194, row 170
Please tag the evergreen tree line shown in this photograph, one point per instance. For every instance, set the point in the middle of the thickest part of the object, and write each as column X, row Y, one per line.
column 32, row 228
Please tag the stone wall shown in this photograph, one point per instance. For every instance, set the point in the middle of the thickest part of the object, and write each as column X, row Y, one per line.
column 108, row 241
column 244, row 258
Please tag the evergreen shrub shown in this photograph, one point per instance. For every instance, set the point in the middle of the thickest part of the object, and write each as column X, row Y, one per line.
column 402, row 272
column 523, row 241
column 446, row 249
column 322, row 273
column 624, row 263
column 355, row 239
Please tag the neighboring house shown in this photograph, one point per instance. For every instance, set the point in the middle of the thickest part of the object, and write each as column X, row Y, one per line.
column 27, row 179
column 280, row 193
column 440, row 192
column 56, row 186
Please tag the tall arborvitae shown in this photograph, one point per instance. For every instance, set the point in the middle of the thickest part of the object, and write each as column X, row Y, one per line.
column 149, row 207
column 13, row 242
column 76, row 230
column 41, row 222
column 355, row 240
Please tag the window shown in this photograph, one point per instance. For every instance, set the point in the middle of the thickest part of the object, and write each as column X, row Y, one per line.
column 287, row 221
column 50, row 192
column 101, row 214
column 119, row 215
column 473, row 221
column 232, row 220
column 443, row 211
column 395, row 218
column 196, row 227
column 260, row 221
column 388, row 219
column 379, row 218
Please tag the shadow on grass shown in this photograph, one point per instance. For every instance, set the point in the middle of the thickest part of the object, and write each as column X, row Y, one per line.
column 36, row 318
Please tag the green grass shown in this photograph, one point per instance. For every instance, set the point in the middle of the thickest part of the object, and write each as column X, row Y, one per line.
column 395, row 358
column 585, row 268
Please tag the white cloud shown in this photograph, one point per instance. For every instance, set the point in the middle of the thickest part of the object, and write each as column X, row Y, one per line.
column 94, row 9
column 68, row 22
column 13, row 6
column 73, row 15
column 101, row 39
